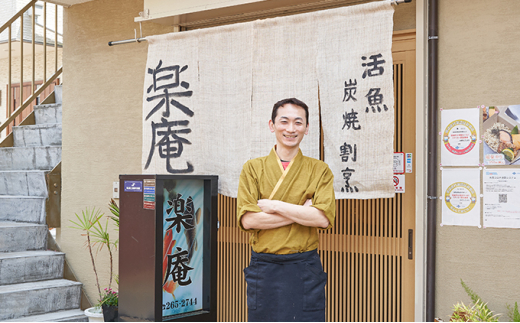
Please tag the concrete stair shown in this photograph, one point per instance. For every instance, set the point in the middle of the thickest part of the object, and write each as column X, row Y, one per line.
column 59, row 316
column 21, row 236
column 37, row 298
column 29, row 158
column 22, row 208
column 32, row 287
column 37, row 135
column 30, row 266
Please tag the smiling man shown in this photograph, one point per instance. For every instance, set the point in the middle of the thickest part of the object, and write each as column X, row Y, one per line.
column 283, row 199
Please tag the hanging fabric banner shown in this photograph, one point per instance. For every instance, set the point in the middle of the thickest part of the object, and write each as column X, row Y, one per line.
column 357, row 98
column 197, row 104
column 284, row 66
column 208, row 96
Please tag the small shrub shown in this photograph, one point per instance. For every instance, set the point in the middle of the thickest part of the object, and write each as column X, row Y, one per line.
column 512, row 313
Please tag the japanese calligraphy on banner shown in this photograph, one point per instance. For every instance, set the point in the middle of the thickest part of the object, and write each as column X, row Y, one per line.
column 461, row 196
column 501, row 202
column 197, row 104
column 183, row 223
column 460, row 133
column 357, row 98
column 208, row 96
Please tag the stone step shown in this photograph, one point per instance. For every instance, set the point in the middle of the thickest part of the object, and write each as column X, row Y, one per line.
column 29, row 158
column 23, row 183
column 76, row 315
column 22, row 300
column 30, row 266
column 37, row 135
column 47, row 113
column 16, row 236
column 22, row 209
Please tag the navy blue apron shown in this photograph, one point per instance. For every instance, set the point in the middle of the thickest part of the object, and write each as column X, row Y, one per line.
column 286, row 288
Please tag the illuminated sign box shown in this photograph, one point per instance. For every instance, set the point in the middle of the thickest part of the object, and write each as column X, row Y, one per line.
column 168, row 248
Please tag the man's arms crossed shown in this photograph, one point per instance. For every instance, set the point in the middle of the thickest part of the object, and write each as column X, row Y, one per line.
column 277, row 214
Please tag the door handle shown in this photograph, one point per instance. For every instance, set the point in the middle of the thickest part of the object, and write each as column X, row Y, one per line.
column 410, row 244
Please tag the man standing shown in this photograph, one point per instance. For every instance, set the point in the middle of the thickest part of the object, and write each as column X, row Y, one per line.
column 283, row 199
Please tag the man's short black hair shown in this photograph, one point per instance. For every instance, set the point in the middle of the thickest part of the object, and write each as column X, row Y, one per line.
column 294, row 101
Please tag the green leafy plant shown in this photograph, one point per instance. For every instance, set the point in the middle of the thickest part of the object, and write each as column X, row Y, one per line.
column 101, row 238
column 112, row 206
column 479, row 312
column 84, row 223
column 109, row 297
column 89, row 222
column 474, row 297
column 512, row 312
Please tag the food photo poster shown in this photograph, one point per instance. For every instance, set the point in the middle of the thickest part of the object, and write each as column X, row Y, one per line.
column 501, row 136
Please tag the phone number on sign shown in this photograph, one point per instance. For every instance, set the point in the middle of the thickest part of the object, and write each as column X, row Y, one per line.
column 179, row 303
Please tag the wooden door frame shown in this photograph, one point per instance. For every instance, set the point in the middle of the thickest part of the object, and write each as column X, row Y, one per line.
column 404, row 46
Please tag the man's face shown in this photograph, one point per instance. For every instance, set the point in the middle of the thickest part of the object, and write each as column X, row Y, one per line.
column 289, row 125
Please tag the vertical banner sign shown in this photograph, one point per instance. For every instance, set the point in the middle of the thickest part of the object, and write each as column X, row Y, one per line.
column 461, row 196
column 501, row 198
column 169, row 106
column 460, row 135
column 357, row 98
column 182, row 246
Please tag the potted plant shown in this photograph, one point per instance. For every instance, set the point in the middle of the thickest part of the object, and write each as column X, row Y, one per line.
column 109, row 303
column 97, row 237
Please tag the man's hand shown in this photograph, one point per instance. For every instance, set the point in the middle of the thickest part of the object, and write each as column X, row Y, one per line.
column 267, row 206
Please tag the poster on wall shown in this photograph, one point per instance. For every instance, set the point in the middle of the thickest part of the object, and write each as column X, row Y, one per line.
column 501, row 198
column 501, row 135
column 461, row 196
column 460, row 133
column 182, row 266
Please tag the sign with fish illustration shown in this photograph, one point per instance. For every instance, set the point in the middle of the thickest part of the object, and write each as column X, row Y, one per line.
column 460, row 137
column 182, row 232
column 168, row 248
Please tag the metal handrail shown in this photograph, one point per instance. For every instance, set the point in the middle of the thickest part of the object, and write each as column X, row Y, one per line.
column 17, row 15
column 30, row 99
column 57, row 72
